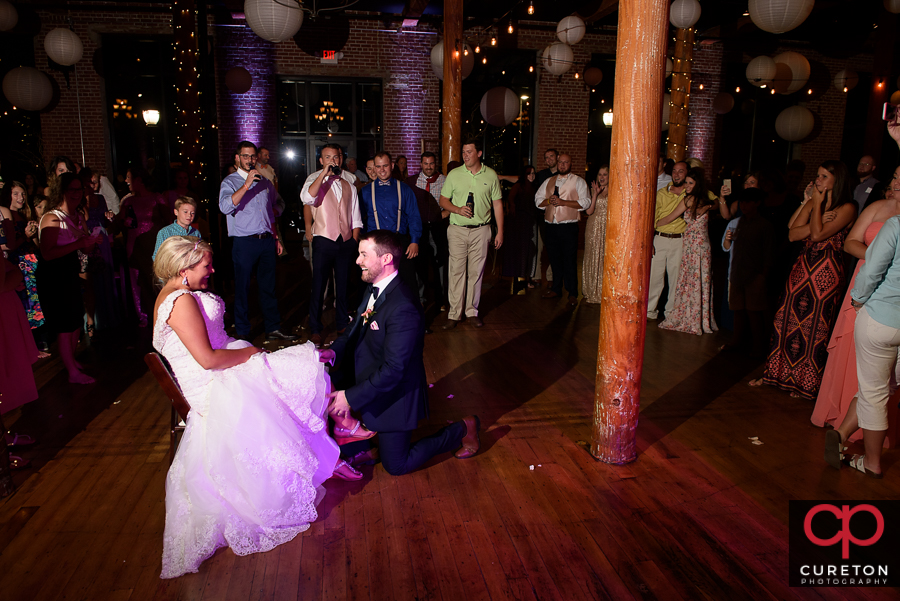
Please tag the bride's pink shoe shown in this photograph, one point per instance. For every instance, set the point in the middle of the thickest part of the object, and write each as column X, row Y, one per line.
column 358, row 432
column 343, row 471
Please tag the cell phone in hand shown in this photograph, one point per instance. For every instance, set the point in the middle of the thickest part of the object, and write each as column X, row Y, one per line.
column 727, row 183
column 890, row 112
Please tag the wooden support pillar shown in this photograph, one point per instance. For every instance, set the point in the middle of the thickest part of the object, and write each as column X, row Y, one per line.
column 641, row 45
column 451, row 113
column 184, row 27
column 681, row 94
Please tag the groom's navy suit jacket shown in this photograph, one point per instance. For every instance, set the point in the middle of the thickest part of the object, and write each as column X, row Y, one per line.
column 390, row 389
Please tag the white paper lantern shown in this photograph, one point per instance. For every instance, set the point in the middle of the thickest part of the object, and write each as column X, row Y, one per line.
column 499, row 106
column 799, row 69
column 27, row 88
column 892, row 6
column 761, row 71
column 895, row 97
column 723, row 103
column 271, row 20
column 63, row 46
column 784, row 78
column 667, row 100
column 557, row 58
column 795, row 123
column 593, row 76
column 8, row 16
column 669, row 66
column 846, row 78
column 778, row 16
column 437, row 60
column 684, row 13
column 570, row 30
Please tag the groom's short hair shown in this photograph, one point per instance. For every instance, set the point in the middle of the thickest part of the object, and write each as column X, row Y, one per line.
column 384, row 241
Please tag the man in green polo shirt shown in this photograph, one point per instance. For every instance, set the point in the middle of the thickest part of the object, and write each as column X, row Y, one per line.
column 667, row 242
column 469, row 234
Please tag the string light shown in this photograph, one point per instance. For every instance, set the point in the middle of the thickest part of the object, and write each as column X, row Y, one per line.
column 493, row 40
column 510, row 30
column 477, row 49
column 531, row 7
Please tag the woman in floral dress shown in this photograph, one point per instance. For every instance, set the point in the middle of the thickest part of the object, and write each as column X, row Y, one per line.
column 693, row 292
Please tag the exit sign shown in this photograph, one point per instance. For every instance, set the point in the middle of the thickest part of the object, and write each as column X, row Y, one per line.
column 330, row 57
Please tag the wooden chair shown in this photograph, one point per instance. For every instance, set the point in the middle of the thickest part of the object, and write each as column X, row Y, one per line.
column 180, row 407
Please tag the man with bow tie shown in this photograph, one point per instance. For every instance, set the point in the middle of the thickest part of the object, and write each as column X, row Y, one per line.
column 387, row 386
column 391, row 205
column 333, row 235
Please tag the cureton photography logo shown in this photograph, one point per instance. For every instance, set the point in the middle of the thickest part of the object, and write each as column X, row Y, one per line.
column 844, row 543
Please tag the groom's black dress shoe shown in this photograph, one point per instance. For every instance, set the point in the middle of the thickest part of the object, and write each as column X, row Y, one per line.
column 470, row 442
column 279, row 335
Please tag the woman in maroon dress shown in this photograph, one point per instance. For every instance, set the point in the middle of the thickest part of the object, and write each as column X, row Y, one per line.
column 811, row 298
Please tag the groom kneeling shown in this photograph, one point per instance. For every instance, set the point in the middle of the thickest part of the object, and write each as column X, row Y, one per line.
column 386, row 341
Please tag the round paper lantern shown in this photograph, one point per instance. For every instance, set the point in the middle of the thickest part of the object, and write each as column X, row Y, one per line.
column 799, row 69
column 761, row 71
column 27, row 88
column 669, row 66
column 593, row 76
column 63, row 46
column 794, row 123
column 895, row 97
column 778, row 16
column 499, row 106
column 437, row 60
column 684, row 13
column 846, row 78
column 557, row 58
column 892, row 6
column 723, row 103
column 570, row 30
column 784, row 78
column 667, row 100
column 238, row 80
column 271, row 20
column 8, row 16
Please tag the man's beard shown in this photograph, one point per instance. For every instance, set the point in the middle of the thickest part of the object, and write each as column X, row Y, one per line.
column 677, row 184
column 863, row 175
column 371, row 274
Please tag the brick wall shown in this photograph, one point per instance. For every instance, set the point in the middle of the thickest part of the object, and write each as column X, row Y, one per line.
column 60, row 126
column 704, row 127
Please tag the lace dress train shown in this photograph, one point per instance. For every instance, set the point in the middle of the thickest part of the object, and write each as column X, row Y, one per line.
column 249, row 470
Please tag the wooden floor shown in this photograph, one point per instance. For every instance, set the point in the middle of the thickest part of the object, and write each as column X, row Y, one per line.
column 701, row 514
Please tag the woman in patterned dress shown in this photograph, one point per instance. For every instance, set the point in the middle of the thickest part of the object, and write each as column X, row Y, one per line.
column 811, row 297
column 595, row 237
column 22, row 250
column 693, row 292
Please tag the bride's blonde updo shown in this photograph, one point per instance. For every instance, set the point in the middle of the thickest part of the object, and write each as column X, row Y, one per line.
column 177, row 254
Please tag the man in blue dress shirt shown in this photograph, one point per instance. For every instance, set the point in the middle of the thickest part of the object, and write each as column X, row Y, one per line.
column 247, row 199
column 391, row 205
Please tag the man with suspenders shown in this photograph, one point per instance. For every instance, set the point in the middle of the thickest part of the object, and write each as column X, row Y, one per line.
column 391, row 205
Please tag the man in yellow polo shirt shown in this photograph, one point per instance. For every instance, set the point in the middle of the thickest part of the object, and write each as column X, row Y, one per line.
column 667, row 242
column 469, row 234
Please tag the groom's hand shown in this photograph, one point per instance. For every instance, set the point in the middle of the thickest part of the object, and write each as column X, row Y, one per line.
column 339, row 405
column 327, row 356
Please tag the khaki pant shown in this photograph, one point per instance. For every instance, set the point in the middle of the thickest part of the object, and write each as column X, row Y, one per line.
column 468, row 254
column 876, row 359
column 666, row 261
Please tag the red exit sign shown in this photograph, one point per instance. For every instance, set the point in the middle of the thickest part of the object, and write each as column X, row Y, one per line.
column 331, row 56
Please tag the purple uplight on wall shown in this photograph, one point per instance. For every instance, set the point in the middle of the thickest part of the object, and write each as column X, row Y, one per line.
column 250, row 115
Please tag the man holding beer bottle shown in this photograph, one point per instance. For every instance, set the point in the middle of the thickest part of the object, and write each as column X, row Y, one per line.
column 468, row 193
column 562, row 197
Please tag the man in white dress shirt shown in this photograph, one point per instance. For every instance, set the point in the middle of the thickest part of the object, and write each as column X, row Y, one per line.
column 562, row 197
column 333, row 233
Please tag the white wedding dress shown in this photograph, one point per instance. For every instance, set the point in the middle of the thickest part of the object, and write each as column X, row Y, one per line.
column 249, row 470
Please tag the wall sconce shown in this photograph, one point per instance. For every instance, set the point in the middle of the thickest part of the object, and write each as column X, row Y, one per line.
column 608, row 119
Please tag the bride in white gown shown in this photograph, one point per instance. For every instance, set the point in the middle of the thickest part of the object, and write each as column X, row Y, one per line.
column 249, row 470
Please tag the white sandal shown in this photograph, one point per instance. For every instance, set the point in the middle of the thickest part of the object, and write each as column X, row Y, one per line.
column 858, row 462
column 345, row 471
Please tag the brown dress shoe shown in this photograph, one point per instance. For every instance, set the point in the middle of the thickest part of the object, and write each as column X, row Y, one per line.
column 316, row 339
column 470, row 442
column 549, row 294
column 477, row 322
column 451, row 323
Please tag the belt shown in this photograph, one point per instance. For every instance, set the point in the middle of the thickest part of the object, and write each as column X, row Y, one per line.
column 665, row 235
column 263, row 236
column 471, row 227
